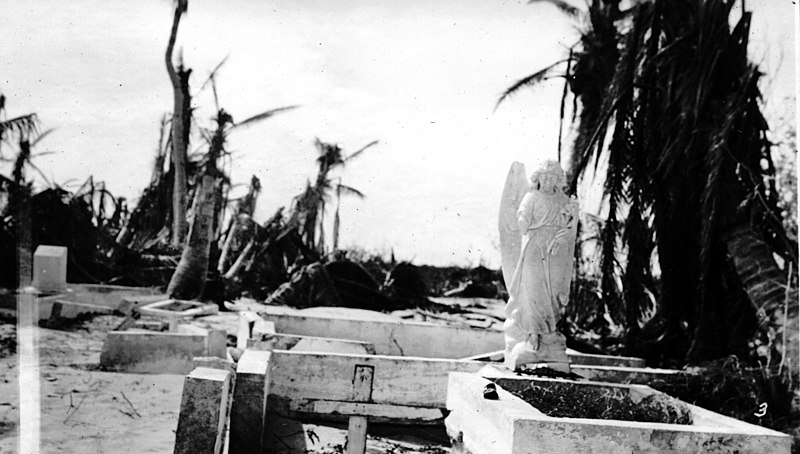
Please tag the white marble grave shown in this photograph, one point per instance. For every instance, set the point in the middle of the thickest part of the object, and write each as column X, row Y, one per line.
column 50, row 269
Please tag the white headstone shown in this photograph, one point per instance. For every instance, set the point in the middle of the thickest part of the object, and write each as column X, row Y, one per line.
column 50, row 268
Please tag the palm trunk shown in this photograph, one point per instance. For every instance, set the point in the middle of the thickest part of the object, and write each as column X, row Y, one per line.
column 24, row 240
column 336, row 219
column 214, row 239
column 240, row 261
column 321, row 241
column 223, row 257
column 189, row 278
column 178, row 142
column 24, row 224
column 336, row 230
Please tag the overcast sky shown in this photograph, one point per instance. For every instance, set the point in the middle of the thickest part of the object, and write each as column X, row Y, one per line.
column 422, row 77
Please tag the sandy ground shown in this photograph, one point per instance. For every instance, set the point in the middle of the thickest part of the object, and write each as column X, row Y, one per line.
column 87, row 410
column 84, row 409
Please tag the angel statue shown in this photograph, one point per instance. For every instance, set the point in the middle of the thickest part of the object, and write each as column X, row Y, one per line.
column 538, row 224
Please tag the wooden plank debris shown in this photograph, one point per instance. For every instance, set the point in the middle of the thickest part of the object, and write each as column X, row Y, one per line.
column 377, row 412
column 357, row 425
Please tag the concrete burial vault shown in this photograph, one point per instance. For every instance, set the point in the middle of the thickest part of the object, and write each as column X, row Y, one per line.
column 395, row 337
column 509, row 424
column 143, row 351
column 323, row 367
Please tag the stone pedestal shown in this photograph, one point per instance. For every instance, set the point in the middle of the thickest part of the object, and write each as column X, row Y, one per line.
column 50, row 269
column 552, row 353
column 249, row 406
column 204, row 407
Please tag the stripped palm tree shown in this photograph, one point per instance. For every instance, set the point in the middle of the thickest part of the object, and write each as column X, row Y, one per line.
column 21, row 127
column 689, row 170
column 181, row 118
column 341, row 190
column 17, row 212
column 242, row 215
column 151, row 218
column 190, row 275
column 308, row 209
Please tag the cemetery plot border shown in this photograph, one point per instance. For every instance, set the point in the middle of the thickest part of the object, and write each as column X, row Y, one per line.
column 509, row 425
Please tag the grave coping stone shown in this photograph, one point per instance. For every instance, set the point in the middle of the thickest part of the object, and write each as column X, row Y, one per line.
column 204, row 407
column 248, row 410
column 174, row 308
column 509, row 425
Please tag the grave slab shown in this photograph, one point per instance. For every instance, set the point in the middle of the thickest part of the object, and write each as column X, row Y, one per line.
column 298, row 343
column 204, row 407
column 614, row 374
column 173, row 308
column 321, row 345
column 159, row 352
column 510, row 425
column 109, row 296
column 70, row 310
column 587, row 359
column 391, row 337
column 106, row 295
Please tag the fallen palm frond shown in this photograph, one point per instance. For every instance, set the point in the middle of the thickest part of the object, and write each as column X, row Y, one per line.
column 562, row 6
column 530, row 81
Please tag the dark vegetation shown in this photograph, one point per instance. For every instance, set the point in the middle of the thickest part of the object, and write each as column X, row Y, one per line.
column 110, row 244
column 730, row 387
column 8, row 338
column 576, row 400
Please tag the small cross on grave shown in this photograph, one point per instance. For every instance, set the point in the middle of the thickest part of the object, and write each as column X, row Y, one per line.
column 362, row 392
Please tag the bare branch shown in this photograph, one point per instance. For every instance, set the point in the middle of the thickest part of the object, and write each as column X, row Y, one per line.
column 263, row 116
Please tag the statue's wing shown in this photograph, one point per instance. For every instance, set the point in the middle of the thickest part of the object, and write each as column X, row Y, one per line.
column 510, row 237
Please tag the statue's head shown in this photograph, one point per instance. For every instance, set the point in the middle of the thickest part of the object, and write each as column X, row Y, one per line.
column 550, row 168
